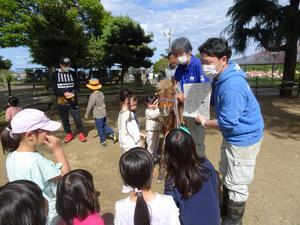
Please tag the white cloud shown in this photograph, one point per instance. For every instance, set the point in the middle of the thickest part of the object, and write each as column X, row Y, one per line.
column 204, row 20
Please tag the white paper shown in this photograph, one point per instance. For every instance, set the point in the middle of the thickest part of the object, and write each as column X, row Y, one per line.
column 197, row 99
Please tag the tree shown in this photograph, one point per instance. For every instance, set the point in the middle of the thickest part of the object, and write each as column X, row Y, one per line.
column 274, row 27
column 5, row 65
column 125, row 42
column 56, row 32
column 160, row 66
column 52, row 28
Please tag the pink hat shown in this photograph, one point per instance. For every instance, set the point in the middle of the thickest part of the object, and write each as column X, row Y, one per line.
column 32, row 119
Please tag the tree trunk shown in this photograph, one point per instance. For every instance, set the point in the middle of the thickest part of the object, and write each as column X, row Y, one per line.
column 290, row 57
column 9, row 86
column 124, row 70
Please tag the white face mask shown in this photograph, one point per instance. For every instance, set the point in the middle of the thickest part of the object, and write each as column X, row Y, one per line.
column 66, row 69
column 210, row 70
column 182, row 59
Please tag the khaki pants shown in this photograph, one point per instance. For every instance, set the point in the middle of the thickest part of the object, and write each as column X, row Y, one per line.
column 237, row 168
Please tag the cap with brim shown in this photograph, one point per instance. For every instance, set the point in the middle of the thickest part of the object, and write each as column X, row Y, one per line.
column 32, row 119
column 94, row 84
column 65, row 61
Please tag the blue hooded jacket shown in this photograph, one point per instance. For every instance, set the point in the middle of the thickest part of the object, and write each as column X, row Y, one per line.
column 237, row 110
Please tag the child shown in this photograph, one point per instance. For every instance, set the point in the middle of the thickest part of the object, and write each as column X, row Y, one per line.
column 77, row 201
column 129, row 133
column 97, row 104
column 12, row 109
column 143, row 206
column 22, row 203
column 192, row 181
column 153, row 125
column 31, row 128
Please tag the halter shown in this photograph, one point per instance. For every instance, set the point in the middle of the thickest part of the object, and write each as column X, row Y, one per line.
column 175, row 108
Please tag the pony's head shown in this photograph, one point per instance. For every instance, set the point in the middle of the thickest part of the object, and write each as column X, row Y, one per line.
column 166, row 97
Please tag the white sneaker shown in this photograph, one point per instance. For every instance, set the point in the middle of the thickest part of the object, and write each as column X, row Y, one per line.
column 126, row 189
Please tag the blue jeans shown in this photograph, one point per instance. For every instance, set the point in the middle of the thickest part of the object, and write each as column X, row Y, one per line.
column 103, row 129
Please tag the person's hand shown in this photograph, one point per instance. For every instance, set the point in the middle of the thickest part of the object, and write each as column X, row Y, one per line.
column 68, row 94
column 200, row 119
column 181, row 97
column 52, row 142
column 143, row 136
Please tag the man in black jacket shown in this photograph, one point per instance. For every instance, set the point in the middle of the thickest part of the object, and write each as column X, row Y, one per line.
column 65, row 85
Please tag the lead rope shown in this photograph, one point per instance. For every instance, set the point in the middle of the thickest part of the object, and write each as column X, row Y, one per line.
column 176, row 112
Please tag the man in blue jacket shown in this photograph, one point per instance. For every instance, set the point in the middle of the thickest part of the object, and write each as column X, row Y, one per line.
column 239, row 118
column 189, row 70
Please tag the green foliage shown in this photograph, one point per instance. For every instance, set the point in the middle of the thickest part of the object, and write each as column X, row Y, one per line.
column 51, row 28
column 55, row 32
column 273, row 26
column 264, row 21
column 5, row 63
column 160, row 66
column 126, row 43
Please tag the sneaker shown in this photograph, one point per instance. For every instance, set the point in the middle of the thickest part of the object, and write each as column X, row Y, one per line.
column 81, row 137
column 68, row 137
column 126, row 189
column 103, row 144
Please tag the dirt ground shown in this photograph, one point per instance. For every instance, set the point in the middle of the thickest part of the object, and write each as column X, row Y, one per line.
column 274, row 195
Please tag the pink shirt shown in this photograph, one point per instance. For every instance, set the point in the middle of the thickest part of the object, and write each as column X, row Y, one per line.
column 11, row 112
column 92, row 219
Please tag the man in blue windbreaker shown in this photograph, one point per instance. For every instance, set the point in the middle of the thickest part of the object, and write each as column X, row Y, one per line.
column 239, row 118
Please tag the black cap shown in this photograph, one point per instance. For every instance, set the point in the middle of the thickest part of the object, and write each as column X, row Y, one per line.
column 65, row 61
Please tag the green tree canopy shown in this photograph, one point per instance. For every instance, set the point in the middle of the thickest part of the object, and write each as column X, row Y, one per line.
column 126, row 43
column 273, row 26
column 160, row 66
column 5, row 64
column 52, row 28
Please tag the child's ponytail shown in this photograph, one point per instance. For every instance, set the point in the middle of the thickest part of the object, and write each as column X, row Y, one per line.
column 9, row 141
column 141, row 212
column 136, row 168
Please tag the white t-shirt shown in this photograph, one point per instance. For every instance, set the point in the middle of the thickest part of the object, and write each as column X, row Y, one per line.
column 162, row 208
column 36, row 168
column 129, row 132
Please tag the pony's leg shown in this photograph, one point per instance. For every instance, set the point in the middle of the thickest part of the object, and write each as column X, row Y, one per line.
column 180, row 113
column 162, row 165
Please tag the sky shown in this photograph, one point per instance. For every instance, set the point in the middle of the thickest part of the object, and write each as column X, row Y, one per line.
column 196, row 20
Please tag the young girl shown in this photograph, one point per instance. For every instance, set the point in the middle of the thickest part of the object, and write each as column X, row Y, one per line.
column 12, row 109
column 31, row 128
column 77, row 201
column 192, row 181
column 22, row 203
column 153, row 125
column 129, row 132
column 97, row 104
column 143, row 206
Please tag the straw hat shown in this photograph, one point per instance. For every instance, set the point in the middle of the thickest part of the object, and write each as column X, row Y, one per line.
column 94, row 84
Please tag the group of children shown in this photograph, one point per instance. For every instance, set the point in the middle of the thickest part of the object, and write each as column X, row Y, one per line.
column 44, row 192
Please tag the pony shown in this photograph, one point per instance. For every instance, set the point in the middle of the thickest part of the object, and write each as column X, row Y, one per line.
column 171, row 118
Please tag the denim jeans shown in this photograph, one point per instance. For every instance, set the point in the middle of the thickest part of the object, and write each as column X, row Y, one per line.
column 103, row 129
column 63, row 111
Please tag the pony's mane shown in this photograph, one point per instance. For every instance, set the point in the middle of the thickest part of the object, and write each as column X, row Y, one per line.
column 164, row 85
